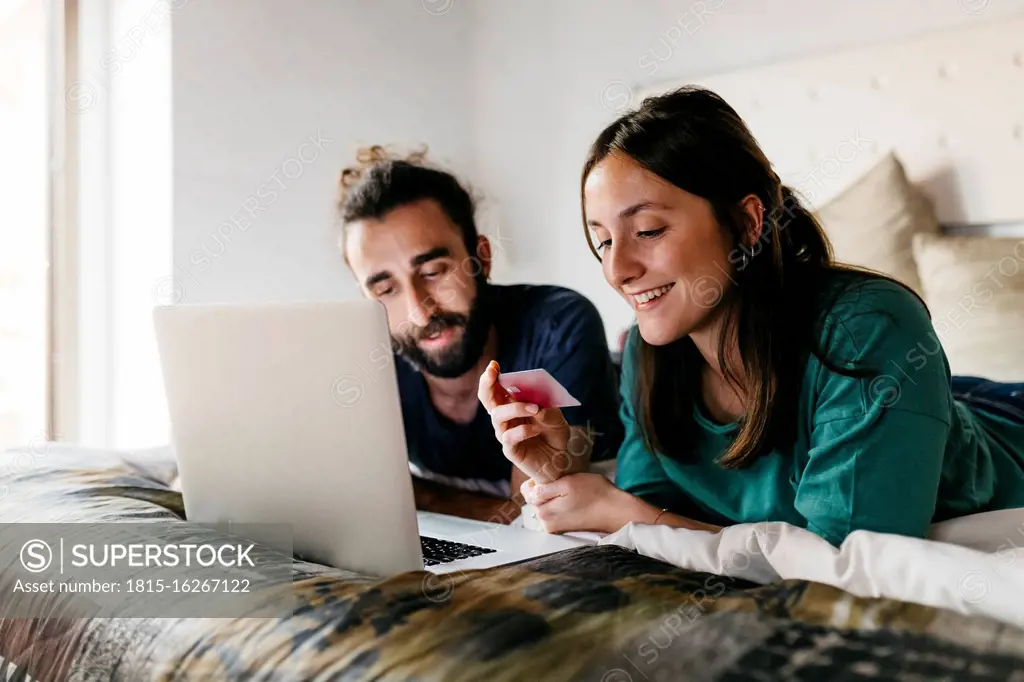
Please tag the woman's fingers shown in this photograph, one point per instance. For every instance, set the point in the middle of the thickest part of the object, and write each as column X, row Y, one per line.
column 517, row 434
column 506, row 413
column 486, row 392
column 539, row 493
column 550, row 416
column 544, row 493
column 527, row 489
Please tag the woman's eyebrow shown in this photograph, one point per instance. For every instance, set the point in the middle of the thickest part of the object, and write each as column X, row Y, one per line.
column 632, row 211
column 642, row 206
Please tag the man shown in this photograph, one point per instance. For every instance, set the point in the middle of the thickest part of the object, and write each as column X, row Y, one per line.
column 410, row 238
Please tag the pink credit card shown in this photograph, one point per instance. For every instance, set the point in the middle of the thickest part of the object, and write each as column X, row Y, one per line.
column 537, row 386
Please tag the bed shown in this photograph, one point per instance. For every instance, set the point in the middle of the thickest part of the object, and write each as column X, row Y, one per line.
column 593, row 613
column 932, row 189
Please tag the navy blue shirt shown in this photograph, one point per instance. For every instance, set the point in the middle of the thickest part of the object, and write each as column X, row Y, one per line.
column 537, row 326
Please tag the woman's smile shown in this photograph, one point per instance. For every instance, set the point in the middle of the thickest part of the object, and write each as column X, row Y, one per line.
column 648, row 298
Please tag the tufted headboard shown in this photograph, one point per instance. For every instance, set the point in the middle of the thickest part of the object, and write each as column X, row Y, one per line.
column 950, row 104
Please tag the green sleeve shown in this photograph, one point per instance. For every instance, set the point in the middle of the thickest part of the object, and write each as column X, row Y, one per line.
column 876, row 443
column 638, row 471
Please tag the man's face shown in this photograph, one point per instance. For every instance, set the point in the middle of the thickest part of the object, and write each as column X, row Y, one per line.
column 415, row 262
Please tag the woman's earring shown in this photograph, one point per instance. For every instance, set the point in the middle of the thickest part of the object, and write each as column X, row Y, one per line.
column 745, row 261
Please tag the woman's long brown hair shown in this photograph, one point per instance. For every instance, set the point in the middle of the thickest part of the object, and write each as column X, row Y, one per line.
column 693, row 139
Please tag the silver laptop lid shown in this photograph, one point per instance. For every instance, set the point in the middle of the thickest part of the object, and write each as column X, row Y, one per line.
column 290, row 413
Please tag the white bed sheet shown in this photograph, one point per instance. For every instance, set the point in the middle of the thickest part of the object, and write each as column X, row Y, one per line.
column 982, row 575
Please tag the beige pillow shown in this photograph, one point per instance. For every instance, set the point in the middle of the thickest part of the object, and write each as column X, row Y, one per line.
column 974, row 287
column 872, row 223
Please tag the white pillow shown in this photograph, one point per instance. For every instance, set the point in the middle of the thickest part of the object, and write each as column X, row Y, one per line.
column 995, row 532
column 873, row 222
column 974, row 287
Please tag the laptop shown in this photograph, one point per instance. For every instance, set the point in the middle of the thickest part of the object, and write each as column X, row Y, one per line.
column 290, row 413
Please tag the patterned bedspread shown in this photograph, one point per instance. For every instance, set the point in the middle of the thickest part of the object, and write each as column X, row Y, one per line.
column 592, row 613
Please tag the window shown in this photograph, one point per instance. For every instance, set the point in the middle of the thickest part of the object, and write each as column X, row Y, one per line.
column 24, row 235
column 119, row 100
column 85, row 233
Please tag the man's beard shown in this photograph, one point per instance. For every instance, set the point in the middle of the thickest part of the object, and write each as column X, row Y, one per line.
column 463, row 354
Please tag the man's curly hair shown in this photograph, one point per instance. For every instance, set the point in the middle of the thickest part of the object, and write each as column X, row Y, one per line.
column 381, row 182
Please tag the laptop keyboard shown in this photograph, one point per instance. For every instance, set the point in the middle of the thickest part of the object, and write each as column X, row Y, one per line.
column 444, row 551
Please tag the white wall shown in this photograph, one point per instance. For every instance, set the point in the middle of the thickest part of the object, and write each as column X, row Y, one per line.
column 256, row 84
column 23, row 248
column 549, row 75
column 508, row 92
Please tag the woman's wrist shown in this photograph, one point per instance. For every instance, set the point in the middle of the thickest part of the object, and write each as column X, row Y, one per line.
column 625, row 508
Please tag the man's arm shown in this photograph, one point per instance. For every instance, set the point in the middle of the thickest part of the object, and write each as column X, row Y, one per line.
column 444, row 499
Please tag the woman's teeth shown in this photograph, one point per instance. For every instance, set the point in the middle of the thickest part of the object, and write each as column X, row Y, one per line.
column 652, row 294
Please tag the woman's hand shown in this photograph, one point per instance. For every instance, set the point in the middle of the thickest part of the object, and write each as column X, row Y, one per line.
column 590, row 502
column 533, row 439
column 587, row 502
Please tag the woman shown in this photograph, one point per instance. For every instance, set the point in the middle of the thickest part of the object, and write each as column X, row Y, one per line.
column 763, row 382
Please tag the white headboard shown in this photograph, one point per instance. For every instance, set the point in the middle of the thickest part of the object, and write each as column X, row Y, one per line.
column 950, row 104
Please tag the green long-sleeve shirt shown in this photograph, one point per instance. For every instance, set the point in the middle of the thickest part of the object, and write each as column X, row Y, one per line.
column 891, row 452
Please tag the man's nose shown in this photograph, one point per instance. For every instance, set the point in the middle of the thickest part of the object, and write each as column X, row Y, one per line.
column 421, row 306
